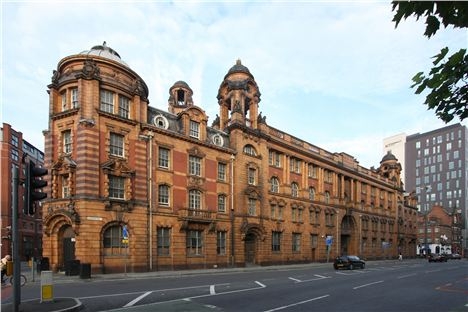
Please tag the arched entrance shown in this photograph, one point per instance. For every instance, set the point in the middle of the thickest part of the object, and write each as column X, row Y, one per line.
column 68, row 244
column 349, row 238
column 250, row 248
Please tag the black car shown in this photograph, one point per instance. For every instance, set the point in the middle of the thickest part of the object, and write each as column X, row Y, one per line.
column 436, row 258
column 348, row 262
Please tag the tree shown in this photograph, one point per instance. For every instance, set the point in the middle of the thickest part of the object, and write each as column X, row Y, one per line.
column 447, row 80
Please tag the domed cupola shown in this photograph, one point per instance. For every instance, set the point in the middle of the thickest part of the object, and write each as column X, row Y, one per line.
column 238, row 68
column 180, row 97
column 104, row 51
column 238, row 98
column 390, row 168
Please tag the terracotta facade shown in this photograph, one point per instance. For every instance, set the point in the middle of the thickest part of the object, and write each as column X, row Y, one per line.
column 191, row 194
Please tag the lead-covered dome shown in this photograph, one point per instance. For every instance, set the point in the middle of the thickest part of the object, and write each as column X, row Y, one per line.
column 104, row 51
column 238, row 68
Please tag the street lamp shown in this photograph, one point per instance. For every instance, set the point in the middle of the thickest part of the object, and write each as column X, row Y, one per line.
column 148, row 138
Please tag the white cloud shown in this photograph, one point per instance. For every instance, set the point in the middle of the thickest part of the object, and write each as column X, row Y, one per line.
column 335, row 73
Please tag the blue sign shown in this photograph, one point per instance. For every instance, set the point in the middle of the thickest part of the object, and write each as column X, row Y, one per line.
column 124, row 232
column 329, row 240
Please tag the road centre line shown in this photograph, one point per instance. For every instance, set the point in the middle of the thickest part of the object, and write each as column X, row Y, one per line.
column 131, row 303
column 365, row 285
column 407, row 275
column 296, row 304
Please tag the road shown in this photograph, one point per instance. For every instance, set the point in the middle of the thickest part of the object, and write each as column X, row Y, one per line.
column 410, row 285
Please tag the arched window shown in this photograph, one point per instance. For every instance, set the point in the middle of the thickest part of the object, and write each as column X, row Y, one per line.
column 294, row 189
column 112, row 241
column 311, row 193
column 250, row 150
column 274, row 185
column 327, row 197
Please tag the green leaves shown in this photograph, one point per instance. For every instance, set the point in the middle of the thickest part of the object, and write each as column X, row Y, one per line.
column 447, row 85
column 446, row 82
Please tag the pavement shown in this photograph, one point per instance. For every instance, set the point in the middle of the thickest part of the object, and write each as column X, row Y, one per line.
column 74, row 304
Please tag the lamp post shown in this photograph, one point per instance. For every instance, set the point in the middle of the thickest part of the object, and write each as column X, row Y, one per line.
column 148, row 138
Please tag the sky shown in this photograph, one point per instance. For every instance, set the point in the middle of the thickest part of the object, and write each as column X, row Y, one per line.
column 336, row 74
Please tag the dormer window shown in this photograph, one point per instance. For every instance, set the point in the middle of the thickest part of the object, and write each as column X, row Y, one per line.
column 194, row 129
column 160, row 121
column 218, row 140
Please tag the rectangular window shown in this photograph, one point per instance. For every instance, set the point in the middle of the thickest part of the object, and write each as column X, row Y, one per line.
column 65, row 187
column 163, row 195
column 296, row 242
column 194, row 243
column 221, row 172
column 107, row 101
column 63, row 96
column 274, row 158
column 194, row 200
column 195, row 166
column 221, row 203
column 163, row 158
column 276, row 241
column 164, row 241
column 252, row 207
column 194, row 129
column 67, row 144
column 116, row 187
column 116, row 144
column 221, row 243
column 124, row 107
column 313, row 241
column 251, row 176
column 74, row 98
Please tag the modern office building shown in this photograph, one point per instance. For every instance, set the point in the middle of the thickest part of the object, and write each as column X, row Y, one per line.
column 436, row 169
column 136, row 188
column 16, row 153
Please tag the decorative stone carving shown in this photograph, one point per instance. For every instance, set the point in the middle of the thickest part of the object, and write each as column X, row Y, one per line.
column 90, row 70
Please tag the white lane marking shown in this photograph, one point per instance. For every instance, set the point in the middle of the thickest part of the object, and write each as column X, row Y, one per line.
column 212, row 290
column 131, row 303
column 321, row 276
column 407, row 275
column 365, row 285
column 260, row 284
column 296, row 304
column 295, row 279
column 155, row 290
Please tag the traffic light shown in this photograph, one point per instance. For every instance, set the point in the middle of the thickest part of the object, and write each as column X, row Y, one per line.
column 32, row 186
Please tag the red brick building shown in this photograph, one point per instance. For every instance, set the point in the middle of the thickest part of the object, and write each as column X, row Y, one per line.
column 138, row 188
column 16, row 153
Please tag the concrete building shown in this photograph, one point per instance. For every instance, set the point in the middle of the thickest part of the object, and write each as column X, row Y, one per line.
column 136, row 188
column 436, row 169
column 15, row 153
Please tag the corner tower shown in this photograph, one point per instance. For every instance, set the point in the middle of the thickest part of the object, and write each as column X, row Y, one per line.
column 390, row 168
column 238, row 98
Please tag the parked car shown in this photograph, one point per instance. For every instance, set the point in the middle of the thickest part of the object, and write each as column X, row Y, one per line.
column 348, row 262
column 436, row 258
column 455, row 256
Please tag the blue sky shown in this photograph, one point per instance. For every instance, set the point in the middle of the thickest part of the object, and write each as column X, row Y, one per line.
column 335, row 73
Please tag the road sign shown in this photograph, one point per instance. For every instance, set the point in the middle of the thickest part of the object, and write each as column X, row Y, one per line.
column 329, row 240
column 124, row 232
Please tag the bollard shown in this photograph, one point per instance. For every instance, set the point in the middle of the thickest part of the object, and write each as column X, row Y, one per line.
column 47, row 291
